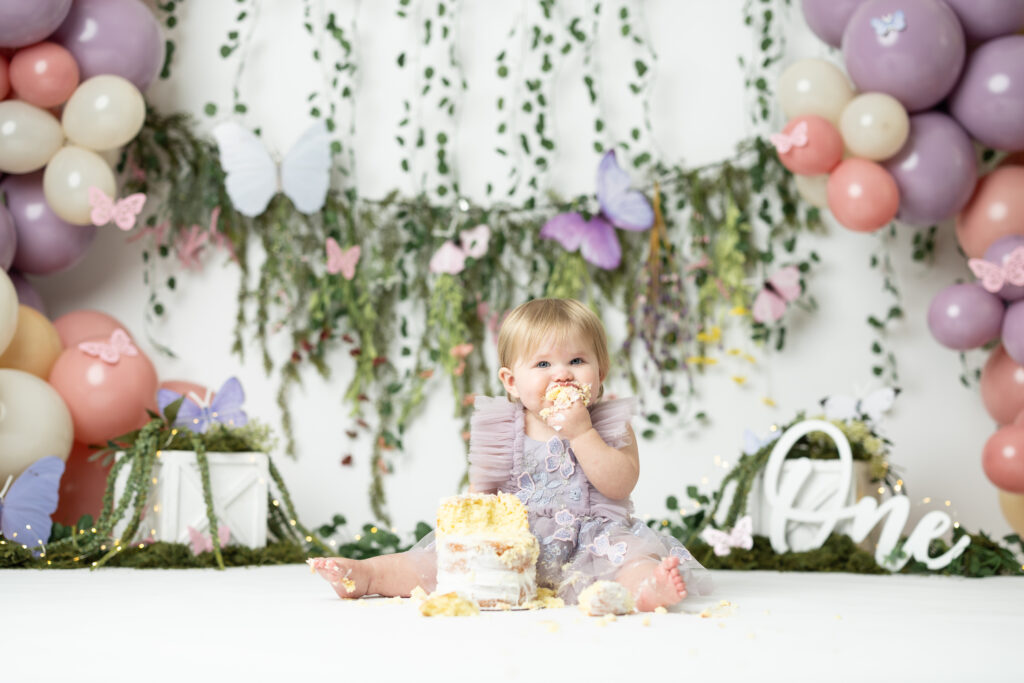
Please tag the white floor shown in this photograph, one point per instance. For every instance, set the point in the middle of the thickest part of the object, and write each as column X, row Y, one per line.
column 279, row 623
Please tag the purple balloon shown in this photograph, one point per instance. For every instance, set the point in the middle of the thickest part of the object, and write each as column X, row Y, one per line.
column 46, row 244
column 1013, row 331
column 27, row 294
column 998, row 253
column 986, row 19
column 910, row 49
column 827, row 18
column 989, row 100
column 936, row 169
column 120, row 37
column 23, row 22
column 8, row 238
column 965, row 316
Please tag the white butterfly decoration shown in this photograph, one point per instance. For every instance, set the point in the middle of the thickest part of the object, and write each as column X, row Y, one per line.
column 871, row 406
column 740, row 537
column 752, row 443
column 253, row 177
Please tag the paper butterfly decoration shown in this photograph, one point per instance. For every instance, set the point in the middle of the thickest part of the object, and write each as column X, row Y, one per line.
column 203, row 543
column 752, row 443
column 739, row 537
column 851, row 408
column 621, row 207
column 795, row 138
column 26, row 506
column 122, row 211
column 342, row 260
column 197, row 414
column 889, row 23
column 781, row 289
column 603, row 547
column 993, row 275
column 451, row 258
column 253, row 177
column 110, row 351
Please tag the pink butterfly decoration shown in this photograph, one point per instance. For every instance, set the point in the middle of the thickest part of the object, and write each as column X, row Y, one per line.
column 781, row 288
column 993, row 276
column 119, row 344
column 739, row 537
column 786, row 141
column 203, row 543
column 342, row 260
column 122, row 212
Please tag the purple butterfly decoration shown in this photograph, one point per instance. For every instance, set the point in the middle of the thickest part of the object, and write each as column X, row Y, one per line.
column 621, row 207
column 526, row 487
column 26, row 507
column 566, row 526
column 198, row 413
column 602, row 546
column 559, row 459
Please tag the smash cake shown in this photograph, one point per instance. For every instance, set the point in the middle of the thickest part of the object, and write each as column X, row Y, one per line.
column 562, row 396
column 485, row 551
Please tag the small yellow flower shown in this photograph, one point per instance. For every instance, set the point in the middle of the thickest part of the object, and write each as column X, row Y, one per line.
column 768, row 401
column 739, row 379
column 711, row 336
column 701, row 360
column 734, row 352
column 739, row 310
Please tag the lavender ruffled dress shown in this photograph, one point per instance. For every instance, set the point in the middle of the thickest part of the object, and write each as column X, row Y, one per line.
column 584, row 536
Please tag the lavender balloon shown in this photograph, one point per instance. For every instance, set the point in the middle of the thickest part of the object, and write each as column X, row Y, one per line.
column 998, row 254
column 46, row 244
column 986, row 19
column 965, row 317
column 23, row 22
column 989, row 100
column 8, row 238
column 827, row 18
column 936, row 169
column 120, row 37
column 910, row 49
column 1013, row 331
column 27, row 294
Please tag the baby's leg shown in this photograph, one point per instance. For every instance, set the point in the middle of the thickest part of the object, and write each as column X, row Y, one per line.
column 387, row 575
column 653, row 583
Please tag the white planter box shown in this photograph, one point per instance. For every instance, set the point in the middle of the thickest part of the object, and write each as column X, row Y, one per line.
column 818, row 491
column 239, row 482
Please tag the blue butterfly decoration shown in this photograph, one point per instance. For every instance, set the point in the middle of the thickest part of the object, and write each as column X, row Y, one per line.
column 26, row 507
column 197, row 414
column 889, row 23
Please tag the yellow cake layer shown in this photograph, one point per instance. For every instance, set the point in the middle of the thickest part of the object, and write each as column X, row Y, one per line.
column 474, row 513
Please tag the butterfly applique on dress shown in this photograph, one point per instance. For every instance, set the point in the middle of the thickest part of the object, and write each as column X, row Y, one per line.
column 253, row 177
column 122, row 211
column 198, row 413
column 26, row 506
column 621, row 207
column 739, row 537
column 993, row 275
column 603, row 547
column 779, row 291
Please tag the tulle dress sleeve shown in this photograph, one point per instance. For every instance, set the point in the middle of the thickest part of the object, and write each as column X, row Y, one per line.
column 496, row 436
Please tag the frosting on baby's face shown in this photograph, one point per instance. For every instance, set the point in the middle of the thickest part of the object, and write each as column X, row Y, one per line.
column 571, row 362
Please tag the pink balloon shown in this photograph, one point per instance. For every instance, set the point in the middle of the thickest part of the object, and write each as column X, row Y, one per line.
column 1003, row 459
column 78, row 326
column 809, row 145
column 5, row 78
column 105, row 399
column 862, row 195
column 995, row 210
column 1002, row 386
column 44, row 74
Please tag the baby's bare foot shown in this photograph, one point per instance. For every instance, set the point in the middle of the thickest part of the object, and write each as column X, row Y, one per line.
column 663, row 588
column 347, row 577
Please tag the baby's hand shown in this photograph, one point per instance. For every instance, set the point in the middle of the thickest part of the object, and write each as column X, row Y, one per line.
column 570, row 422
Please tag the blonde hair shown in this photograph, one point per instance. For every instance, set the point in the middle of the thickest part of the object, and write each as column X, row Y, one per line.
column 531, row 324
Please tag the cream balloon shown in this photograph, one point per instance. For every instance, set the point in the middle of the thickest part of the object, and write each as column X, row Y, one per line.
column 8, row 310
column 1012, row 506
column 29, row 136
column 814, row 86
column 34, row 422
column 104, row 112
column 67, row 179
column 874, row 126
column 813, row 188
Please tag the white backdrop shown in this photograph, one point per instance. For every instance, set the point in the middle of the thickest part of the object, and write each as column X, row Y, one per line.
column 698, row 108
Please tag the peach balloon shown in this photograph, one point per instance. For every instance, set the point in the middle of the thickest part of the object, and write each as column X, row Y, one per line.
column 1003, row 459
column 106, row 399
column 1012, row 505
column 809, row 145
column 995, row 210
column 44, row 74
column 862, row 195
column 78, row 326
column 82, row 486
column 5, row 79
column 1002, row 386
column 35, row 345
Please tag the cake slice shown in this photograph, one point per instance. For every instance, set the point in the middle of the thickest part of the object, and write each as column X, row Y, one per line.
column 563, row 396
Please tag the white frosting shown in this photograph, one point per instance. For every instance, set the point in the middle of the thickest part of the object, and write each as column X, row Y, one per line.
column 472, row 567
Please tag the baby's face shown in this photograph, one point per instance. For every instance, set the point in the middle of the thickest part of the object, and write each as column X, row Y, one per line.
column 573, row 361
